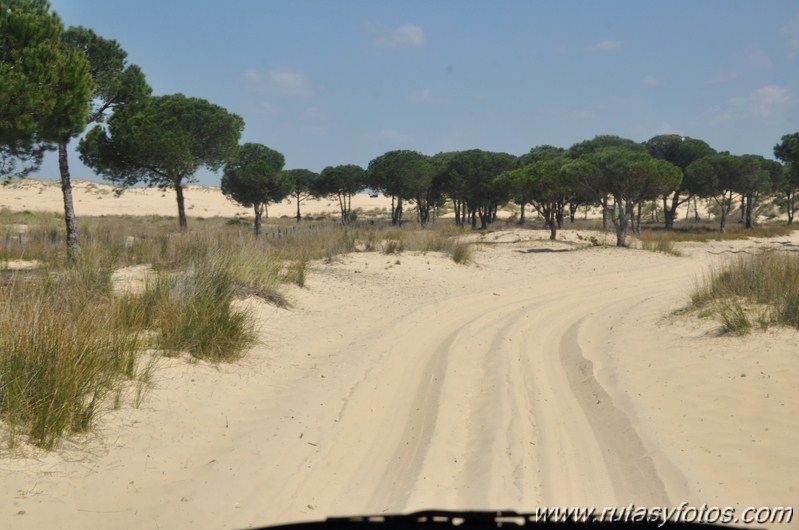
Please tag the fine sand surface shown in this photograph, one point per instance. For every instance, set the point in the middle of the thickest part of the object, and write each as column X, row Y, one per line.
column 541, row 374
column 93, row 198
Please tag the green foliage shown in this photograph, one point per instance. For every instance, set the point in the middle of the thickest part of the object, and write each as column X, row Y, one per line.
column 663, row 245
column 468, row 177
column 253, row 178
column 678, row 150
column 546, row 186
column 787, row 181
column 603, row 141
column 341, row 182
column 198, row 315
column 162, row 142
column 303, row 184
column 45, row 86
column 624, row 170
column 767, row 281
column 116, row 84
column 541, row 152
column 405, row 175
column 62, row 349
column 721, row 176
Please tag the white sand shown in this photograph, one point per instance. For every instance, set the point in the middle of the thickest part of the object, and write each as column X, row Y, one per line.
column 92, row 198
column 535, row 376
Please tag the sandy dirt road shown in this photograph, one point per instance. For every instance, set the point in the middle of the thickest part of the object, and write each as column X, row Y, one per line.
column 539, row 375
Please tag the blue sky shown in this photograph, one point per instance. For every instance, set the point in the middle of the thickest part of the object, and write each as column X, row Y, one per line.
column 336, row 82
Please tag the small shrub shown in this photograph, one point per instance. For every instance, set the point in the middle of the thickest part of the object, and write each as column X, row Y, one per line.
column 198, row 316
column 767, row 282
column 61, row 351
column 661, row 245
column 734, row 318
column 393, row 246
column 461, row 252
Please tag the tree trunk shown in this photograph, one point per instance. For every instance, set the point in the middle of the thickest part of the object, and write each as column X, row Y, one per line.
column 725, row 205
column 696, row 211
column 621, row 233
column 181, row 206
column 638, row 219
column 620, row 220
column 299, row 217
column 484, row 213
column 521, row 215
column 749, row 206
column 791, row 197
column 743, row 209
column 604, row 213
column 258, row 212
column 397, row 217
column 73, row 249
column 668, row 215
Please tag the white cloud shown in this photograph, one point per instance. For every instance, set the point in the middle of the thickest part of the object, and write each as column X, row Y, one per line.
column 423, row 95
column 284, row 82
column 407, row 36
column 762, row 103
column 651, row 80
column 605, row 45
column 791, row 33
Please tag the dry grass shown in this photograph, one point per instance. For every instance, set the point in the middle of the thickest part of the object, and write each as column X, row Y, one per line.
column 706, row 232
column 758, row 289
column 69, row 345
column 62, row 350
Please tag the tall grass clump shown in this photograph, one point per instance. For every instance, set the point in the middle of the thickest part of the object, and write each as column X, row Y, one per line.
column 462, row 252
column 765, row 285
column 193, row 311
column 663, row 245
column 709, row 232
column 61, row 351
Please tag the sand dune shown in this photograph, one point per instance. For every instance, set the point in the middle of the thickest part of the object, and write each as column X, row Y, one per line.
column 93, row 198
column 539, row 375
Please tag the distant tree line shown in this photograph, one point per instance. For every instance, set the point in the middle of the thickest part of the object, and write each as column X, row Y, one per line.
column 55, row 82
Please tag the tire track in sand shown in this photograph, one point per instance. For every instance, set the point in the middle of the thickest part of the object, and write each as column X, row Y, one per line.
column 494, row 407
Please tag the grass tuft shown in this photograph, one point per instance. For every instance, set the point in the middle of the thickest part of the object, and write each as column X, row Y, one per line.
column 766, row 283
column 462, row 252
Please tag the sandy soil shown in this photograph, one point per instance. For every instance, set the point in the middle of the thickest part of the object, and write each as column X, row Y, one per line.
column 541, row 374
column 92, row 198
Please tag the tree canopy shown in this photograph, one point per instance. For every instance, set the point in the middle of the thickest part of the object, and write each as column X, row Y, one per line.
column 253, row 178
column 468, row 177
column 115, row 85
column 162, row 142
column 341, row 182
column 546, row 185
column 681, row 151
column 787, row 182
column 303, row 185
column 404, row 174
column 719, row 177
column 45, row 86
column 629, row 175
